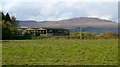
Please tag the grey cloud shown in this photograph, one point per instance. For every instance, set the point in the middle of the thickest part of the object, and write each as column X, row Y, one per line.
column 60, row 10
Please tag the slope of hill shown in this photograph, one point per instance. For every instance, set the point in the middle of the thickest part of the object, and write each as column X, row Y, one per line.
column 88, row 24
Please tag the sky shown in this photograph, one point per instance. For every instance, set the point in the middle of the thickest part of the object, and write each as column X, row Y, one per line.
column 44, row 10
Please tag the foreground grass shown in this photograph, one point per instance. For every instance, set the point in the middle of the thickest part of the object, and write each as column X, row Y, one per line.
column 0, row 53
column 60, row 51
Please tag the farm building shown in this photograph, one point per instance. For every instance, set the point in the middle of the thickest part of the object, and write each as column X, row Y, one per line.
column 43, row 31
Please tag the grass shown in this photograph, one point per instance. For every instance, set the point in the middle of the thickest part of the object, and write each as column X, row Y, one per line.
column 60, row 51
column 0, row 52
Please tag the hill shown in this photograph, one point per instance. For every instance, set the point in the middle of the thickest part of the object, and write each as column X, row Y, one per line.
column 88, row 24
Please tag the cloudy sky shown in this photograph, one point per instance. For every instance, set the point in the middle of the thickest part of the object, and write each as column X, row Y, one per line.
column 42, row 10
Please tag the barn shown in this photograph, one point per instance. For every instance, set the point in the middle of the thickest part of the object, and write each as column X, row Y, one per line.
column 43, row 31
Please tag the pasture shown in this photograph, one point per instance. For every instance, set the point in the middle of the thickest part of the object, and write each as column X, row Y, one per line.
column 60, row 52
column 0, row 52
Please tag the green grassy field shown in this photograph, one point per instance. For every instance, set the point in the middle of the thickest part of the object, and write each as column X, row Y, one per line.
column 0, row 52
column 60, row 51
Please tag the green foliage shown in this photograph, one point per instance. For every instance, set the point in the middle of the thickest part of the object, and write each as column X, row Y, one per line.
column 7, row 17
column 7, row 30
column 14, row 23
column 86, row 35
column 107, row 35
column 79, row 35
column 7, row 27
column 2, row 15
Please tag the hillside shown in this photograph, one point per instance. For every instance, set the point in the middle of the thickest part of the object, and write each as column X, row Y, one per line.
column 88, row 24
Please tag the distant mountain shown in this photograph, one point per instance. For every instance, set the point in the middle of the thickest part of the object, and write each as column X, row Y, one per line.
column 87, row 24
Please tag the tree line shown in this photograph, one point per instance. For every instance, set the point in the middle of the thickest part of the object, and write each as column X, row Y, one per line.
column 82, row 35
column 86, row 35
column 8, row 25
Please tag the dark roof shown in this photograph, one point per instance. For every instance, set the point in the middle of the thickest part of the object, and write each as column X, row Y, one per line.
column 49, row 28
